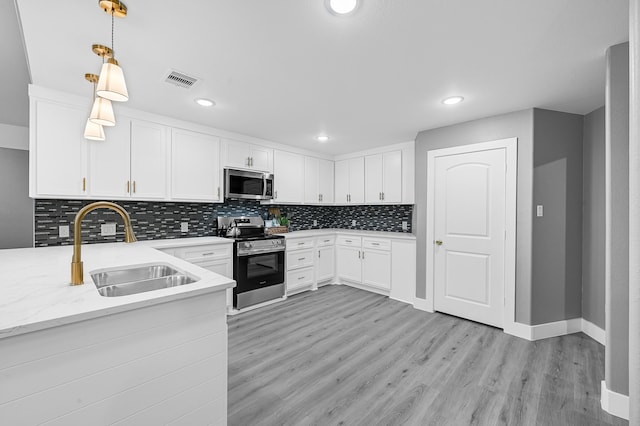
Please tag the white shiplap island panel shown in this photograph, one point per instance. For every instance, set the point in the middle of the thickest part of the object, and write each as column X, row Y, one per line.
column 137, row 360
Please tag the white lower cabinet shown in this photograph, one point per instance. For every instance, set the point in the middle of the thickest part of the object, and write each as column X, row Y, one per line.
column 325, row 264
column 300, row 265
column 213, row 257
column 365, row 261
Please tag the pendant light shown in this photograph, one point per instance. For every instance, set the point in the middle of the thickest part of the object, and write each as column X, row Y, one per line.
column 102, row 110
column 93, row 131
column 111, row 84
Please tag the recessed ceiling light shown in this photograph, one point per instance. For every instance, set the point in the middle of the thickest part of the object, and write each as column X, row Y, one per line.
column 453, row 100
column 342, row 7
column 322, row 138
column 205, row 102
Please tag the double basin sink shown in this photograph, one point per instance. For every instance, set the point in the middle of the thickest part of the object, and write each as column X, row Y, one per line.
column 139, row 279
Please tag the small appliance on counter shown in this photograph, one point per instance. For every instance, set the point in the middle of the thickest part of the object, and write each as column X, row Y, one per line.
column 258, row 260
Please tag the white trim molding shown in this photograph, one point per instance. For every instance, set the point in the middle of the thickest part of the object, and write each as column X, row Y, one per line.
column 423, row 305
column 556, row 328
column 614, row 403
column 593, row 331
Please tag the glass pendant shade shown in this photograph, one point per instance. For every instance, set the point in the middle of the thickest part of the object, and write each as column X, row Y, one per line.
column 102, row 112
column 93, row 131
column 111, row 84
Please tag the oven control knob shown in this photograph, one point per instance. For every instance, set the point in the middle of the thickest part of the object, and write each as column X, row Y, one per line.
column 248, row 245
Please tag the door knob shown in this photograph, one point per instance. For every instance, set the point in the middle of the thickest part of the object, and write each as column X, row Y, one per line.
column 438, row 242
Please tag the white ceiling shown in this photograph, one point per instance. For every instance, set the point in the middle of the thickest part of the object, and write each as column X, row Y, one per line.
column 288, row 70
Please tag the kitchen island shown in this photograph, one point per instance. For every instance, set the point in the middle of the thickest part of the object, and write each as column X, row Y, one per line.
column 71, row 356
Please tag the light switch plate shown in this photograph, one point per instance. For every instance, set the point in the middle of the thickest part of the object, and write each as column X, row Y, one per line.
column 315, row 223
column 405, row 225
column 108, row 229
column 184, row 227
column 539, row 210
column 63, row 231
column 353, row 222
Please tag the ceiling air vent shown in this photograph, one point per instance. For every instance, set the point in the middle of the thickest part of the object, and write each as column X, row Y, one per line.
column 181, row 80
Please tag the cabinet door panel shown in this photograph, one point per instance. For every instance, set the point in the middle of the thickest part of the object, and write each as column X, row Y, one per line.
column 311, row 180
column 349, row 263
column 195, row 172
column 148, row 160
column 261, row 158
column 110, row 162
column 356, row 180
column 392, row 183
column 288, row 177
column 341, row 181
column 325, row 181
column 237, row 154
column 60, row 150
column 376, row 269
column 373, row 178
column 325, row 263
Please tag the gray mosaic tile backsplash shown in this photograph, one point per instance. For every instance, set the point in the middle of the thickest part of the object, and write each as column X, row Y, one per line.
column 161, row 220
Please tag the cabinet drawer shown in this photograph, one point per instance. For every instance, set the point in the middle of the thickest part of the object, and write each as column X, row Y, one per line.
column 344, row 240
column 299, row 259
column 299, row 278
column 216, row 251
column 326, row 241
column 300, row 244
column 220, row 266
column 376, row 244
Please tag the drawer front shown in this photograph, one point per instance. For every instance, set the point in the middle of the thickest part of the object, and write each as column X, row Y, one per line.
column 218, row 251
column 299, row 278
column 220, row 266
column 376, row 244
column 299, row 259
column 326, row 241
column 344, row 240
column 300, row 244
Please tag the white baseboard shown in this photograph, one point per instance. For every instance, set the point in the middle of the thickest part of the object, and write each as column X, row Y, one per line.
column 557, row 328
column 593, row 331
column 422, row 305
column 614, row 403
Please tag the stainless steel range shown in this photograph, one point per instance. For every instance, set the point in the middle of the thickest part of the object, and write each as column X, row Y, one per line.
column 258, row 260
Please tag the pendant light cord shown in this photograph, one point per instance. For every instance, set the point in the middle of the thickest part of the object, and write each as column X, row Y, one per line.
column 113, row 51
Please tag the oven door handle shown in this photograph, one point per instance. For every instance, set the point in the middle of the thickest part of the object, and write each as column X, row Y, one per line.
column 264, row 251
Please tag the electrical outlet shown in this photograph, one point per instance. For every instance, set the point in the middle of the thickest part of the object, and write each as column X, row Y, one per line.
column 63, row 231
column 539, row 210
column 184, row 227
column 315, row 223
column 353, row 222
column 405, row 225
column 108, row 229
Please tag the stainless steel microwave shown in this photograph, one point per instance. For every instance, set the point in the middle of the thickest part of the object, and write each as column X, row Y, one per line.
column 247, row 184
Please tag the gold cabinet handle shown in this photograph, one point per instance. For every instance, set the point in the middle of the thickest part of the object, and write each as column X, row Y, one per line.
column 84, row 184
column 218, row 192
column 438, row 242
column 134, row 186
column 128, row 187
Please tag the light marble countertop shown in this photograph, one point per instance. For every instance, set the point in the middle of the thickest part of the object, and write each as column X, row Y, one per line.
column 35, row 293
column 361, row 233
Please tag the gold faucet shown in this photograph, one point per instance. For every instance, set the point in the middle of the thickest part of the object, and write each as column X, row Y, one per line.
column 77, row 272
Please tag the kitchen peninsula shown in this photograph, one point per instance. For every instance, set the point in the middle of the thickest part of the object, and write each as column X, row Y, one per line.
column 82, row 358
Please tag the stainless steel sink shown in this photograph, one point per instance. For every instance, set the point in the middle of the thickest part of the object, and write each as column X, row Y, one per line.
column 138, row 279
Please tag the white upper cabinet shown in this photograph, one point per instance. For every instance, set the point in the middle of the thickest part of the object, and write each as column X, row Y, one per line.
column 288, row 176
column 131, row 162
column 318, row 181
column 149, row 160
column 242, row 155
column 349, row 181
column 383, row 178
column 58, row 150
column 110, row 162
column 195, row 166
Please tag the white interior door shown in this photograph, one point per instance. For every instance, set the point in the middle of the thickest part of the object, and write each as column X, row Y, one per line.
column 469, row 235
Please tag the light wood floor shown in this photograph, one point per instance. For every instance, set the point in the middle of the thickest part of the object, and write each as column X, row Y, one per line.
column 342, row 356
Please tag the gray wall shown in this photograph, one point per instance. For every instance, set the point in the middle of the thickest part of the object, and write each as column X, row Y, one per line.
column 557, row 236
column 617, row 219
column 517, row 124
column 593, row 218
column 16, row 208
